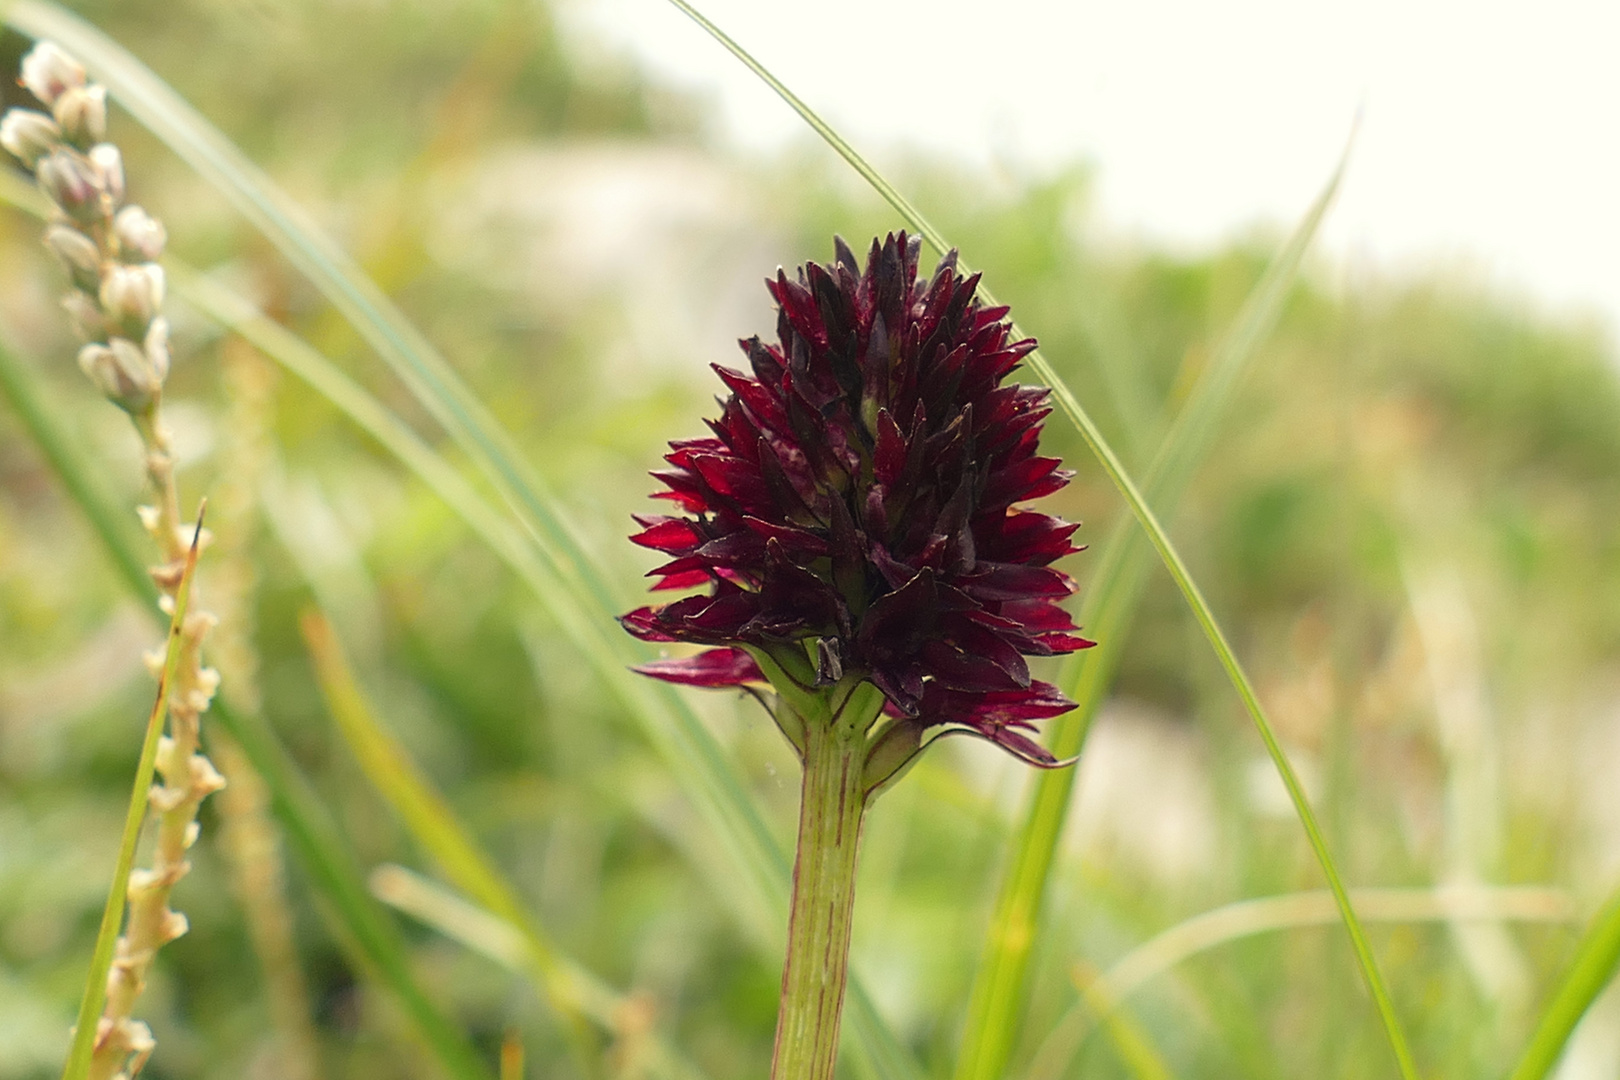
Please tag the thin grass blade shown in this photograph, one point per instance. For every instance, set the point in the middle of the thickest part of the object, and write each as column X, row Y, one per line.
column 112, row 914
column 435, row 826
column 1317, row 907
column 1127, row 487
column 27, row 398
column 1101, row 994
column 512, row 1056
column 419, row 805
column 1131, row 1040
column 463, row 921
column 996, row 1002
column 332, row 867
column 575, row 993
column 1597, row 958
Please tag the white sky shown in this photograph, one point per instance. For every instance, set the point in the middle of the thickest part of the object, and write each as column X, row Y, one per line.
column 1490, row 134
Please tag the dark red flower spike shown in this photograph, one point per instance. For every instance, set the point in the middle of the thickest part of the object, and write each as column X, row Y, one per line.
column 856, row 509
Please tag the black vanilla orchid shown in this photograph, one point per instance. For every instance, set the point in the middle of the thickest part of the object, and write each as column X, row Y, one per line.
column 857, row 507
column 855, row 524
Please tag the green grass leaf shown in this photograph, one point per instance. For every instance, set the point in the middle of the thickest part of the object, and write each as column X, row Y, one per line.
column 1102, row 995
column 1131, row 1040
column 434, row 825
column 1596, row 960
column 577, row 995
column 112, row 913
column 1157, row 535
column 333, row 869
column 115, row 528
column 996, row 1002
column 483, row 932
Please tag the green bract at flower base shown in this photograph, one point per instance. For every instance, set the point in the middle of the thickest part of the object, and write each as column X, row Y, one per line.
column 854, row 522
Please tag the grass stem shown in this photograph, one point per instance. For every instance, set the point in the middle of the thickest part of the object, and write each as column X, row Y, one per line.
column 1596, row 960
column 87, row 1034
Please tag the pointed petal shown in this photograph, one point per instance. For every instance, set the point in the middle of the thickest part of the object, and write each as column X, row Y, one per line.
column 643, row 623
column 685, row 579
column 669, row 534
column 889, row 460
column 716, row 667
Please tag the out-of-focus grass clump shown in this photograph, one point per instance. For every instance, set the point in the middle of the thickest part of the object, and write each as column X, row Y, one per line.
column 1410, row 526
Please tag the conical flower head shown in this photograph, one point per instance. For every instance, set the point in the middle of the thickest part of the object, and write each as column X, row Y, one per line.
column 858, row 506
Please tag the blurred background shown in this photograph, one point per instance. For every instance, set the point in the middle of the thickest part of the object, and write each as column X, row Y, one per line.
column 1409, row 524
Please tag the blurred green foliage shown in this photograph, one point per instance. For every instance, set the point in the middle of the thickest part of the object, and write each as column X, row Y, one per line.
column 1412, row 504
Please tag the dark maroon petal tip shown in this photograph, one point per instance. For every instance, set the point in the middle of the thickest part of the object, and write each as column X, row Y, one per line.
column 1019, row 746
column 644, row 624
column 716, row 667
column 1025, row 749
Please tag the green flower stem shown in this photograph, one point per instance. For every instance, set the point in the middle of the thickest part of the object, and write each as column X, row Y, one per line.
column 832, row 804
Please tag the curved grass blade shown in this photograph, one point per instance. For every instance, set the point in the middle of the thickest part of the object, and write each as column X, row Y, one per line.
column 460, row 920
column 331, row 866
column 512, row 1056
column 1100, row 995
column 300, row 359
column 996, row 1001
column 434, row 825
column 320, row 849
column 1071, row 407
column 1240, row 682
column 83, row 486
column 1597, row 958
column 574, row 992
column 1130, row 1038
column 465, row 922
column 112, row 915
column 584, row 604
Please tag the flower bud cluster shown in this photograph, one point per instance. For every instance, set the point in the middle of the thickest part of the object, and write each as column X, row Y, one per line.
column 108, row 249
